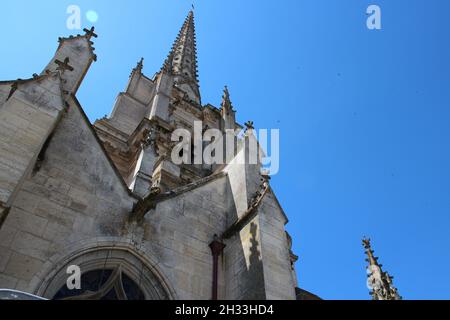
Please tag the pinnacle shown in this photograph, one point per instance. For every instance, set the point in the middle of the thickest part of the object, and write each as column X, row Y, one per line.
column 389, row 292
column 226, row 101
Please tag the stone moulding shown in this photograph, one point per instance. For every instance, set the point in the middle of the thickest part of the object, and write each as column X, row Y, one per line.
column 151, row 201
column 138, row 263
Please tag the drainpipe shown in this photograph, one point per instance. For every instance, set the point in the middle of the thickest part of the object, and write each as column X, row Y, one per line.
column 216, row 250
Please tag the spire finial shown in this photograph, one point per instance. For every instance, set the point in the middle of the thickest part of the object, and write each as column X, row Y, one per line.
column 380, row 282
column 366, row 243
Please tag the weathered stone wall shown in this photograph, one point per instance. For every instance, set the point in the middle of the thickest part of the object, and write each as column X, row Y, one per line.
column 128, row 113
column 26, row 120
column 142, row 89
column 179, row 232
column 5, row 89
column 257, row 263
column 76, row 195
column 243, row 264
column 275, row 257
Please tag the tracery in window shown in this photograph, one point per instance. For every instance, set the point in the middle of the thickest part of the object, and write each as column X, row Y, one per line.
column 104, row 284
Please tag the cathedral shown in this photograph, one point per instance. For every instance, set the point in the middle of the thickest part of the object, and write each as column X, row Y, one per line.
column 108, row 199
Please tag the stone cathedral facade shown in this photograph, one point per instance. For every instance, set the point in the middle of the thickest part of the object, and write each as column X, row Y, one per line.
column 107, row 198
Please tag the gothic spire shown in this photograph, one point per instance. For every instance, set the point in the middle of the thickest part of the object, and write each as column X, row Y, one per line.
column 182, row 60
column 379, row 281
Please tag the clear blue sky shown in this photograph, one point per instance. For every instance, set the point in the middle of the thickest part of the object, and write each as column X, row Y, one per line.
column 364, row 115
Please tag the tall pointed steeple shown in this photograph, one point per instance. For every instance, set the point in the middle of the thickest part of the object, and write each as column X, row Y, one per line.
column 379, row 281
column 182, row 60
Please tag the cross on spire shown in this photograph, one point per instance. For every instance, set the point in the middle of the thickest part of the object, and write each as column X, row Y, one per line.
column 250, row 125
column 63, row 66
column 90, row 33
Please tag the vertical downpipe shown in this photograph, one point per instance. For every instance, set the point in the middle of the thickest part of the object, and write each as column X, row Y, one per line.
column 216, row 250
